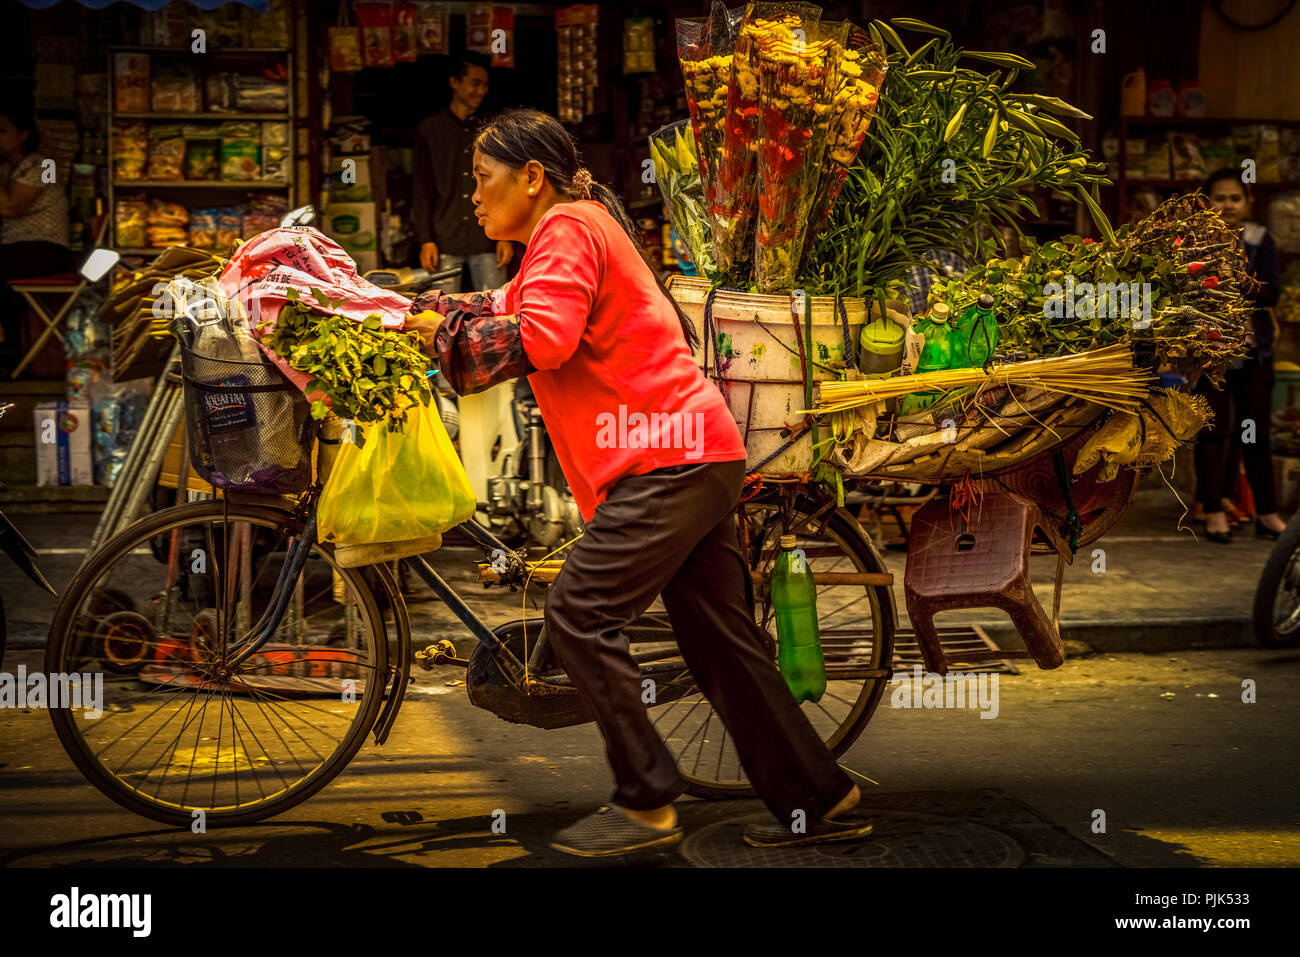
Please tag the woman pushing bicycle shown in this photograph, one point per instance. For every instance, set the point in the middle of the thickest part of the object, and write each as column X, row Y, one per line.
column 656, row 464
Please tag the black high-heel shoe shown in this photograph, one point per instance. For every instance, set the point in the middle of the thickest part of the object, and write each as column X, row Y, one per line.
column 1223, row 538
column 1263, row 531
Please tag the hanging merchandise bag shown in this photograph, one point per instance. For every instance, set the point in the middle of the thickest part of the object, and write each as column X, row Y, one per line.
column 391, row 494
column 345, row 44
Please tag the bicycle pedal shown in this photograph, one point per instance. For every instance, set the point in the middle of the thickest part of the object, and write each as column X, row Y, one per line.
column 439, row 653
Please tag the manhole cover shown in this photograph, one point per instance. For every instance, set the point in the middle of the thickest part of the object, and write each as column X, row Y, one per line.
column 900, row 839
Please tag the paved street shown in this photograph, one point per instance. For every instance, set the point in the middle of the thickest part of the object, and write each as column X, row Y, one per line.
column 1184, row 771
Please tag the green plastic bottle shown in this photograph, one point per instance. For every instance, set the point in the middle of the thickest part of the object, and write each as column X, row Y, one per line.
column 799, row 643
column 976, row 335
column 936, row 354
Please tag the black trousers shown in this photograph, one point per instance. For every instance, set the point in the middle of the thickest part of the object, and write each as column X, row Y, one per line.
column 673, row 531
column 1247, row 393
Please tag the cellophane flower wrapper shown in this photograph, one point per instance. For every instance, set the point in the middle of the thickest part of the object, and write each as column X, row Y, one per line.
column 704, row 49
column 861, row 73
column 677, row 172
column 797, row 80
column 734, row 204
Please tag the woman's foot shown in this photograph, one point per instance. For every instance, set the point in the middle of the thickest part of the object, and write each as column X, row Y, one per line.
column 848, row 803
column 663, row 818
column 1272, row 521
column 1216, row 528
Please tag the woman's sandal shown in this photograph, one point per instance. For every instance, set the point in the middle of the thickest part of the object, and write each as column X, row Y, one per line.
column 850, row 825
column 610, row 831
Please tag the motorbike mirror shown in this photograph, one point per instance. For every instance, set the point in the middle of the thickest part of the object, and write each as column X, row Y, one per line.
column 98, row 263
column 302, row 216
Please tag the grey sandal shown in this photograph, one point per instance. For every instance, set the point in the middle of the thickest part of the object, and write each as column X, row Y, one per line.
column 609, row 831
column 850, row 825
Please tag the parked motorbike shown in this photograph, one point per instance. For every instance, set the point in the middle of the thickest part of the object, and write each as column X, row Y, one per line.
column 13, row 544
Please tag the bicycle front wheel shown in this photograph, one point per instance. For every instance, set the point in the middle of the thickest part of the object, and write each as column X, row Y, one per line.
column 186, row 733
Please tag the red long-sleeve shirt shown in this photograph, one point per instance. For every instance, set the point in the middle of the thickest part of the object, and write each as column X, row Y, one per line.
column 617, row 386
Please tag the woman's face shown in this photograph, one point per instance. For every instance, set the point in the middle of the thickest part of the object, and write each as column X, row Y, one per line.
column 11, row 140
column 1229, row 197
column 502, row 204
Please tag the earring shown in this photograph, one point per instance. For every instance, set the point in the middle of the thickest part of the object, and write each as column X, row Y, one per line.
column 531, row 191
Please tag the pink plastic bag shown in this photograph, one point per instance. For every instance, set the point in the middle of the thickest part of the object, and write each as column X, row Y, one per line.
column 303, row 258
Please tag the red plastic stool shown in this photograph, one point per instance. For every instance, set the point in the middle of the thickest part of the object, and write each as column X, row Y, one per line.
column 984, row 565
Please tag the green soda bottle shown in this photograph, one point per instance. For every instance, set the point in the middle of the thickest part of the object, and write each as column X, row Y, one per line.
column 937, row 353
column 977, row 335
column 799, row 642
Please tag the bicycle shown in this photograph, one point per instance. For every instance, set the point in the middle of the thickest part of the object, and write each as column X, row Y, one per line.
column 300, row 660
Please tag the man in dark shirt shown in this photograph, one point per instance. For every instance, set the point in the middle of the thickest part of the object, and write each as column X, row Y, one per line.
column 445, row 228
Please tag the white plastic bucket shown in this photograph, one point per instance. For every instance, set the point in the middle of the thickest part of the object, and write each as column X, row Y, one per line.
column 762, row 377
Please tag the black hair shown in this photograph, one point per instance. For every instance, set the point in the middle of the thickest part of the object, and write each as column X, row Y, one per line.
column 24, row 120
column 516, row 136
column 1228, row 172
column 468, row 59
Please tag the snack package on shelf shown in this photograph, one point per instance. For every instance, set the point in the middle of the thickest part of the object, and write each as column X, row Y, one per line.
column 202, row 151
column 241, row 149
column 230, row 228
column 130, row 149
column 797, row 81
column 174, row 91
column 1284, row 221
column 168, row 224
column 275, row 150
column 219, row 89
column 263, row 213
column 1187, row 159
column 166, row 152
column 130, row 220
column 1158, row 163
column 131, row 82
column 257, row 94
column 1217, row 153
column 203, row 229
column 1269, row 170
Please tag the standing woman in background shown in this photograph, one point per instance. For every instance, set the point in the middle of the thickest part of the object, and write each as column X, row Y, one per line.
column 1247, row 392
column 33, row 223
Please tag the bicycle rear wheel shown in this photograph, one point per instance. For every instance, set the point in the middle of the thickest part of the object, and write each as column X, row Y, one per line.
column 857, row 636
column 183, row 728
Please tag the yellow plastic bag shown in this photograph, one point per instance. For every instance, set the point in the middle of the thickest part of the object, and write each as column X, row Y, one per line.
column 396, row 487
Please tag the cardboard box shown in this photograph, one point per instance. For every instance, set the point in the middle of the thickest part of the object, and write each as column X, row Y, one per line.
column 353, row 226
column 63, row 444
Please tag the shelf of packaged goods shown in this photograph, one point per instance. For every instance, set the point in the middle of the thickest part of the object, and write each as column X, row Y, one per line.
column 214, row 51
column 199, row 184
column 202, row 116
column 1197, row 183
column 1201, row 121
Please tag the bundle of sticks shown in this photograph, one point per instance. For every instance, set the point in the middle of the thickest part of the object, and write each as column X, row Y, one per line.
column 1104, row 376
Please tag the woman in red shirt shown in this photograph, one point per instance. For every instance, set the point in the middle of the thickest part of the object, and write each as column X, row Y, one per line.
column 657, row 466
